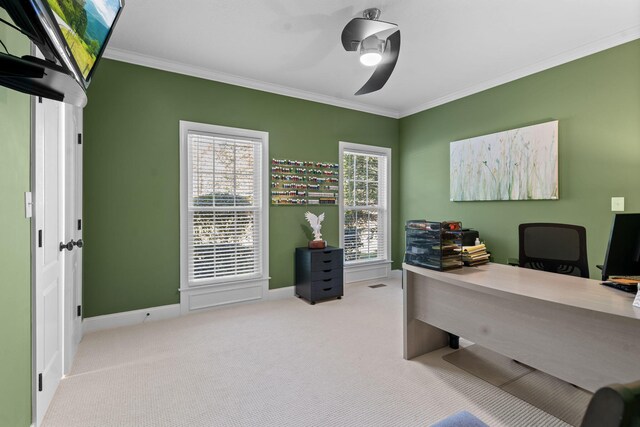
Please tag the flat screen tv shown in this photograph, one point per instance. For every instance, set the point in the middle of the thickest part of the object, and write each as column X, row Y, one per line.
column 623, row 250
column 71, row 35
column 85, row 27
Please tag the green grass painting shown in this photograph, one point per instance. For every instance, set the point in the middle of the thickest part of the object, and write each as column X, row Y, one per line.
column 518, row 164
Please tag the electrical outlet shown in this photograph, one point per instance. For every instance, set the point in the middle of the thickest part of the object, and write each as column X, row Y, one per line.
column 617, row 204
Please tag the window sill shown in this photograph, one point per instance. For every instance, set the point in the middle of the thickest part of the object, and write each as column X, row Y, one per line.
column 349, row 265
column 219, row 283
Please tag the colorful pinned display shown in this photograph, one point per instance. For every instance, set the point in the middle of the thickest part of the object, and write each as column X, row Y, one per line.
column 295, row 182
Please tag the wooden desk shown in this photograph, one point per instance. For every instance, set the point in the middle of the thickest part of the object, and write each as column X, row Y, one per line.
column 570, row 327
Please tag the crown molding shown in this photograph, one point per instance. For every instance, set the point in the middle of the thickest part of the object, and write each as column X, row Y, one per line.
column 599, row 45
column 604, row 43
column 203, row 73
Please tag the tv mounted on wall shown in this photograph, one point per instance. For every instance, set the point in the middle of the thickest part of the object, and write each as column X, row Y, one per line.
column 70, row 34
column 86, row 26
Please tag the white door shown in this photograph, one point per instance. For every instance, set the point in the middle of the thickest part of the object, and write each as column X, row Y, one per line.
column 48, row 293
column 72, row 260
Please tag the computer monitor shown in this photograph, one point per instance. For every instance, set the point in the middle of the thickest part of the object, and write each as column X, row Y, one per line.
column 623, row 251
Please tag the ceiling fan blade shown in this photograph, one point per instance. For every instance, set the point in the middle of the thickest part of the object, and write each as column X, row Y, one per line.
column 385, row 68
column 359, row 29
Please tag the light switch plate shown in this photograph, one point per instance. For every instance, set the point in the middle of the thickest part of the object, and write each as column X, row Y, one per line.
column 28, row 205
column 617, row 204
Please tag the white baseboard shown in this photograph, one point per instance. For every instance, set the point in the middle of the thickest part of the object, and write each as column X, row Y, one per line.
column 128, row 318
column 395, row 274
column 280, row 293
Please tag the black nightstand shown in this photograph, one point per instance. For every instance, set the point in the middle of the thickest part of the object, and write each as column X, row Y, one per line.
column 319, row 273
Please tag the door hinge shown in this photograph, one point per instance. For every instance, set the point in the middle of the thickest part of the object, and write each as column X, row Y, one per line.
column 39, row 238
column 28, row 204
column 79, row 310
column 79, row 224
column 39, row 382
column 40, row 100
column 79, row 139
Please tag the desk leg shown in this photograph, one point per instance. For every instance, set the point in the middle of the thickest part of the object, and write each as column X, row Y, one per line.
column 454, row 341
column 419, row 337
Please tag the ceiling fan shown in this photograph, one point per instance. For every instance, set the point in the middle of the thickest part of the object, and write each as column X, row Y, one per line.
column 378, row 43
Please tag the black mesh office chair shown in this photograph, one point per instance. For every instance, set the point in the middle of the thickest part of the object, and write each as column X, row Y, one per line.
column 617, row 405
column 559, row 248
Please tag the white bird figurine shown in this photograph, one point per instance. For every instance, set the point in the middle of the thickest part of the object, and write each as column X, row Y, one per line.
column 314, row 222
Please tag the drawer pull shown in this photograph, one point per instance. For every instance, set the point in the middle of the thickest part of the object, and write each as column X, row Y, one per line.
column 327, row 280
column 327, row 261
column 326, row 271
column 327, row 289
column 326, row 252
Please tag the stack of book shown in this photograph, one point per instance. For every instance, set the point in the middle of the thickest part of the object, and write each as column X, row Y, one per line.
column 475, row 255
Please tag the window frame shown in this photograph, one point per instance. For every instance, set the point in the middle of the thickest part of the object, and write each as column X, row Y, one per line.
column 355, row 148
column 263, row 207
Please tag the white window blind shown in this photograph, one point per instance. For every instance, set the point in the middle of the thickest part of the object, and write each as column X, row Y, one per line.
column 224, row 208
column 365, row 207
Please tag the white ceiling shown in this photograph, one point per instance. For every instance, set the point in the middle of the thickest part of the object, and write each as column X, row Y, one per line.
column 450, row 48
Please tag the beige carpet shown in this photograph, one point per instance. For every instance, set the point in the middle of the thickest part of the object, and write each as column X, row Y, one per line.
column 552, row 395
column 276, row 363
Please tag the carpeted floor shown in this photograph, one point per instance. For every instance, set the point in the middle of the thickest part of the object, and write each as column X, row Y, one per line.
column 276, row 363
column 552, row 395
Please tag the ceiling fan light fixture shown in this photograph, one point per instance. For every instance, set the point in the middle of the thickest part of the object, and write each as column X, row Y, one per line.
column 371, row 50
column 378, row 45
column 370, row 59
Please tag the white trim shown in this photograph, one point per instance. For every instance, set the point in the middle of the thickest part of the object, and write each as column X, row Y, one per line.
column 367, row 271
column 32, row 250
column 203, row 73
column 395, row 274
column 219, row 284
column 184, row 220
column 281, row 293
column 136, row 317
column 149, row 61
column 128, row 318
column 188, row 292
column 604, row 43
column 366, row 149
column 196, row 300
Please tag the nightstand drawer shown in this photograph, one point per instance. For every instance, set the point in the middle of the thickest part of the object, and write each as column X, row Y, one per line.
column 317, row 276
column 326, row 260
column 328, row 288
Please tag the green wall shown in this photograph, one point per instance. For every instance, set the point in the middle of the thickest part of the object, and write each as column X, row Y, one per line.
column 597, row 101
column 15, row 274
column 132, row 165
column 131, row 174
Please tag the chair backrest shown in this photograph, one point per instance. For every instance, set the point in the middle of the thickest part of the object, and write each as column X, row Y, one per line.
column 559, row 248
column 616, row 405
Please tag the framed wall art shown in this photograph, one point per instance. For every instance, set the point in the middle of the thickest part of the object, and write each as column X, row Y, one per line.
column 517, row 164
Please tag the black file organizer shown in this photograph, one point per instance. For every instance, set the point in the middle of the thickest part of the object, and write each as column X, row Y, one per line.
column 434, row 245
column 319, row 273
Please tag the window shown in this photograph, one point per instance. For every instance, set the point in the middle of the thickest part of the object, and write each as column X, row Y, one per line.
column 224, row 226
column 364, row 202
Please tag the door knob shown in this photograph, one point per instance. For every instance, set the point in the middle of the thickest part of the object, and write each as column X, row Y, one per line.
column 67, row 246
column 79, row 243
